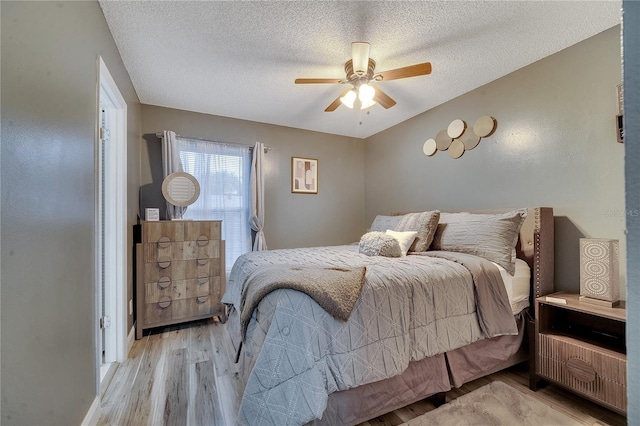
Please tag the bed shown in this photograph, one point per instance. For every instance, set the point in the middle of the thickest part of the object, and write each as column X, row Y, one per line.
column 420, row 325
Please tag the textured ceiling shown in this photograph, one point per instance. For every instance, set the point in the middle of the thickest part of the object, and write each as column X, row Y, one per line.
column 239, row 58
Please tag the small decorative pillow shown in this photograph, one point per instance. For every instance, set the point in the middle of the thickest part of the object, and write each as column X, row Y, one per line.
column 379, row 244
column 404, row 238
column 381, row 223
column 424, row 223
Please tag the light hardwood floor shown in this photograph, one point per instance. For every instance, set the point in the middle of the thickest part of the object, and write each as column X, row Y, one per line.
column 184, row 375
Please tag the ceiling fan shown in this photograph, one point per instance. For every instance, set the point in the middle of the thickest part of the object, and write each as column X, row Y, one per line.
column 360, row 72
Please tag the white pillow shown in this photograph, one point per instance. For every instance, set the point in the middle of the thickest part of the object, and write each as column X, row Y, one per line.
column 404, row 238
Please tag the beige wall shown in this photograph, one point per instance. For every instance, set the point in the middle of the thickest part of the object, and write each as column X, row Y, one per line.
column 49, row 117
column 554, row 145
column 334, row 216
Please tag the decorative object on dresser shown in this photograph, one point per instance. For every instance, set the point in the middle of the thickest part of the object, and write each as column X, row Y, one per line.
column 180, row 189
column 599, row 271
column 152, row 214
column 582, row 347
column 180, row 272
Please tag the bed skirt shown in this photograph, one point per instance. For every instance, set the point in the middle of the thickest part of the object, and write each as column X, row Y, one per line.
column 421, row 379
column 425, row 378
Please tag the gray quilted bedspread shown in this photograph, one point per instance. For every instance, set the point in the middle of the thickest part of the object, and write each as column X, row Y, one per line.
column 410, row 308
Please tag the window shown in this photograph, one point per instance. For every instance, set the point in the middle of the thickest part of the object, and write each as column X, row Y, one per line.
column 223, row 171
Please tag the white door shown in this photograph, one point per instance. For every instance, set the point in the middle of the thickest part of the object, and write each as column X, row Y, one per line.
column 111, row 209
column 106, row 245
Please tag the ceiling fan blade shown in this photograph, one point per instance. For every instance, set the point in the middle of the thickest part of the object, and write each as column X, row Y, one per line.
column 317, row 81
column 404, row 72
column 383, row 99
column 335, row 104
column 360, row 57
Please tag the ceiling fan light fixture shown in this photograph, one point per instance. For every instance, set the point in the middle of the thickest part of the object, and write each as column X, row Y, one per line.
column 349, row 98
column 366, row 93
column 367, row 104
column 360, row 57
column 360, row 70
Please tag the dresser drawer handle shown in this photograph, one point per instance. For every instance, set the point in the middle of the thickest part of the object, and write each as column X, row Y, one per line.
column 203, row 280
column 581, row 370
column 164, row 302
column 202, row 299
column 164, row 262
column 164, row 282
column 202, row 240
column 163, row 242
column 203, row 261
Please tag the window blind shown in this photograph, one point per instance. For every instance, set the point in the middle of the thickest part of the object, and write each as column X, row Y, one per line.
column 223, row 171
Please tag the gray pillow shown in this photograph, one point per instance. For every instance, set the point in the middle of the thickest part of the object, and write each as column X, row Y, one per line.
column 382, row 223
column 424, row 223
column 491, row 236
column 379, row 244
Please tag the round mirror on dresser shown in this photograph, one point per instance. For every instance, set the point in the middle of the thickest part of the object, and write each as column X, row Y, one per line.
column 180, row 189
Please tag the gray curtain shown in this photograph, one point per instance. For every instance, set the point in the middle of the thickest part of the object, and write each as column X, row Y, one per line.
column 170, row 164
column 257, row 197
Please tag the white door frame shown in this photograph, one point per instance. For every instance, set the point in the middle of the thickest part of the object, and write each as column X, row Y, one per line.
column 115, row 224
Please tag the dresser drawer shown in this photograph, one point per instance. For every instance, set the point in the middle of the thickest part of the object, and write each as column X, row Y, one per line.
column 181, row 269
column 160, row 311
column 199, row 286
column 192, row 307
column 164, row 287
column 591, row 370
column 182, row 250
column 211, row 230
column 164, row 231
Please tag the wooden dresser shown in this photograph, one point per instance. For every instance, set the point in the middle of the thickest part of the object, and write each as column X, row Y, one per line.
column 180, row 272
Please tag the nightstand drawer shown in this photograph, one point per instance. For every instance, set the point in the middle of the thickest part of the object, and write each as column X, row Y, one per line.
column 595, row 372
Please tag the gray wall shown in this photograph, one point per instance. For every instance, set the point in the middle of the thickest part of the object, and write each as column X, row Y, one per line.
column 49, row 116
column 631, row 36
column 555, row 145
column 334, row 216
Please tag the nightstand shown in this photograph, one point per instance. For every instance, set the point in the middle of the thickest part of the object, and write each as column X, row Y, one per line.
column 582, row 347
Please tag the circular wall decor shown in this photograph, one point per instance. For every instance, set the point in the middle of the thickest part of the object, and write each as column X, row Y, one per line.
column 456, row 149
column 484, row 126
column 469, row 139
column 430, row 147
column 180, row 189
column 456, row 128
column 443, row 140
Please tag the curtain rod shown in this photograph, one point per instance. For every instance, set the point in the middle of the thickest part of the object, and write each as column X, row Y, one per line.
column 160, row 135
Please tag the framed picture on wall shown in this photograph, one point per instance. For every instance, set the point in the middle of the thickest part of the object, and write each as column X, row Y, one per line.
column 304, row 175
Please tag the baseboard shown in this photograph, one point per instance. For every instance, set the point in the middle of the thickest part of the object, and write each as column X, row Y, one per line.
column 93, row 415
column 131, row 337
